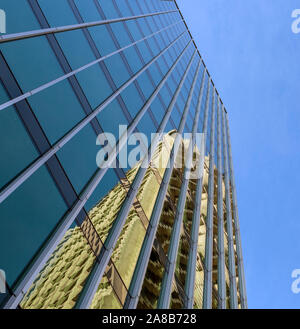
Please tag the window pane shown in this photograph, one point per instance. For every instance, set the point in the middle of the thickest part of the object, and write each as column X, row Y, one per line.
column 34, row 67
column 57, row 12
column 17, row 149
column 78, row 157
column 19, row 20
column 57, row 109
column 27, row 217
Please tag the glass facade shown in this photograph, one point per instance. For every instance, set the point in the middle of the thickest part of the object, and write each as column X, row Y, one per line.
column 74, row 235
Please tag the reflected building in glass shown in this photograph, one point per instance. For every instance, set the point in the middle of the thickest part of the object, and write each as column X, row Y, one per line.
column 162, row 232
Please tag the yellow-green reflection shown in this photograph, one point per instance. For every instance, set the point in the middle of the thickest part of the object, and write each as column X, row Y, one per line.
column 60, row 282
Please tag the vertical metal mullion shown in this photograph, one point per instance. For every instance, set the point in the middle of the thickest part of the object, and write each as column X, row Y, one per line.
column 231, row 252
column 141, row 266
column 166, row 287
column 221, row 252
column 208, row 267
column 191, row 267
column 240, row 265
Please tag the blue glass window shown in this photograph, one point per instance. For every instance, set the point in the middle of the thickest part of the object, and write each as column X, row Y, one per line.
column 17, row 149
column 108, row 9
column 78, row 157
column 133, row 59
column 57, row 12
column 145, row 85
column 57, row 109
column 121, row 34
column 132, row 99
column 27, row 217
column 19, row 20
column 33, row 68
column 117, row 69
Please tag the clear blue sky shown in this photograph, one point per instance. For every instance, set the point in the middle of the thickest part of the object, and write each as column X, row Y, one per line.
column 254, row 59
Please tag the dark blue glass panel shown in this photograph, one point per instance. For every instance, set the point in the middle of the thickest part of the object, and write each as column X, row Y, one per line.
column 95, row 85
column 158, row 110
column 109, row 181
column 121, row 34
column 111, row 117
column 122, row 5
column 117, row 69
column 134, row 30
column 144, row 51
column 17, row 150
column 20, row 19
column 27, row 218
column 34, row 67
column 57, row 109
column 144, row 27
column 103, row 40
column 145, row 85
column 133, row 59
column 132, row 99
column 172, row 85
column 134, row 4
column 78, row 157
column 88, row 10
column 165, row 95
column 147, row 127
column 176, row 117
column 154, row 48
column 76, row 48
column 57, row 12
column 108, row 9
column 155, row 74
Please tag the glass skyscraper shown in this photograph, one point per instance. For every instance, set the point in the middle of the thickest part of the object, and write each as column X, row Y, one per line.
column 148, row 234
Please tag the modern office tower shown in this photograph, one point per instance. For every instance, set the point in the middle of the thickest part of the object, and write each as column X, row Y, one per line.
column 82, row 224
